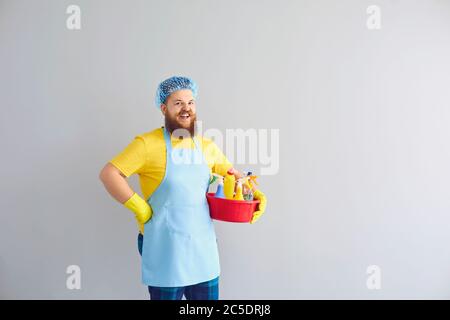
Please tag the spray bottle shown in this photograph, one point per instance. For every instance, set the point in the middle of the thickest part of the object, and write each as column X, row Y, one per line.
column 239, row 195
column 248, row 181
column 228, row 184
column 219, row 191
column 248, row 192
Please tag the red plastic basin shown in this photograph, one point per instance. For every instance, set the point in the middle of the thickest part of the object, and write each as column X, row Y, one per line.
column 231, row 210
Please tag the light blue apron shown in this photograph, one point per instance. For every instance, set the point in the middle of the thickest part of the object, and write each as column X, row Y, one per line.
column 180, row 246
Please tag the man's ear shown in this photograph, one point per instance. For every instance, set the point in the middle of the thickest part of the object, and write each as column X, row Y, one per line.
column 163, row 109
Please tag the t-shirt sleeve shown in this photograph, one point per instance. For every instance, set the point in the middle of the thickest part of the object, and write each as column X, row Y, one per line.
column 219, row 163
column 132, row 159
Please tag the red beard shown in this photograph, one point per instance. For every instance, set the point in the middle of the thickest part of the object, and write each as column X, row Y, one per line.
column 172, row 123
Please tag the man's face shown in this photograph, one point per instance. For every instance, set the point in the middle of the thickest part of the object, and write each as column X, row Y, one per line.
column 179, row 111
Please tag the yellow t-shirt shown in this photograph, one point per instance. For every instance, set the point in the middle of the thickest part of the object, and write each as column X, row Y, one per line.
column 146, row 156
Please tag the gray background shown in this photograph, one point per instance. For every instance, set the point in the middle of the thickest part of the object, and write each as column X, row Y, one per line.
column 364, row 141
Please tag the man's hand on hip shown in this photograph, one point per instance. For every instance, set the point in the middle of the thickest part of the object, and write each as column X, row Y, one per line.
column 141, row 209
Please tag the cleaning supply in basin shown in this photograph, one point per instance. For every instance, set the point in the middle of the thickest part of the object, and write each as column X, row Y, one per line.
column 248, row 191
column 249, row 182
column 252, row 182
column 239, row 195
column 248, row 196
column 219, row 191
column 229, row 184
column 212, row 179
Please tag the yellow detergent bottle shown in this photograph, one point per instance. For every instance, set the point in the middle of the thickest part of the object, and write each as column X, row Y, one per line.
column 228, row 184
column 239, row 195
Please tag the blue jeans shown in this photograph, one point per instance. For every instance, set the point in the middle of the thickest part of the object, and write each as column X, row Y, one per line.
column 208, row 290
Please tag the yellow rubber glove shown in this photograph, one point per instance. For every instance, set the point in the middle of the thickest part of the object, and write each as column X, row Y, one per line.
column 141, row 209
column 258, row 195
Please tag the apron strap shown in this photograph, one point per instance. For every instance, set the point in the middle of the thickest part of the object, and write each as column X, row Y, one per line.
column 167, row 140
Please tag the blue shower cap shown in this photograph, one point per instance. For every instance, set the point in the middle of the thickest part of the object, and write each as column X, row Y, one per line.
column 173, row 84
